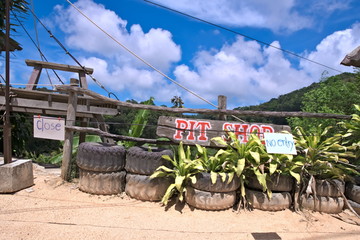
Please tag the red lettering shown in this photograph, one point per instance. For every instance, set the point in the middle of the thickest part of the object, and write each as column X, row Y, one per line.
column 191, row 136
column 203, row 126
column 181, row 126
column 241, row 131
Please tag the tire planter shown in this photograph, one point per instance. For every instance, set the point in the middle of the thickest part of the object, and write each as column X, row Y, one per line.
column 141, row 161
column 326, row 188
column 353, row 192
column 209, row 200
column 100, row 157
column 259, row 200
column 141, row 187
column 106, row 183
column 203, row 182
column 323, row 204
column 277, row 183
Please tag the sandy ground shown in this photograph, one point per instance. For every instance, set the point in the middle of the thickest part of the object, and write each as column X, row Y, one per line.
column 53, row 209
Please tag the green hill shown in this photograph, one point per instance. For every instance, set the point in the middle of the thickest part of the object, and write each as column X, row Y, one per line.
column 342, row 88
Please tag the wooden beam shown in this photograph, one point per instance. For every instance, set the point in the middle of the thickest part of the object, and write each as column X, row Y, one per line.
column 67, row 152
column 57, row 66
column 115, row 136
column 67, row 88
column 34, row 78
column 222, row 105
column 58, row 106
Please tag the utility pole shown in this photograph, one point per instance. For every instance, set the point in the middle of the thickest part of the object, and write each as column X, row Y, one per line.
column 7, row 123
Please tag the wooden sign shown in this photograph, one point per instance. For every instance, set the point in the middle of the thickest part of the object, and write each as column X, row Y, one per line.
column 49, row 128
column 198, row 131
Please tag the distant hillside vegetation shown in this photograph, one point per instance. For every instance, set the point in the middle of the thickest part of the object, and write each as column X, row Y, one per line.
column 295, row 101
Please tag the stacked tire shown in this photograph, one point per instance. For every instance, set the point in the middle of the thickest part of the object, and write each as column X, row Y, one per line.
column 208, row 196
column 280, row 185
column 352, row 193
column 328, row 197
column 140, row 164
column 101, row 168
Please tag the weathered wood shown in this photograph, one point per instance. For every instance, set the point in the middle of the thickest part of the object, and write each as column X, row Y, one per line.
column 66, row 88
column 34, row 78
column 46, row 105
column 115, row 136
column 57, row 66
column 201, row 131
column 67, row 149
column 83, row 123
column 104, row 127
column 222, row 105
column 83, row 82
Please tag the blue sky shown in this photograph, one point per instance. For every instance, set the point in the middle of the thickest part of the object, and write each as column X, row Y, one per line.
column 208, row 60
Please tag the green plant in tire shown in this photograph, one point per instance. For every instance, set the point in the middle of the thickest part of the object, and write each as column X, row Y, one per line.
column 183, row 170
column 245, row 158
column 322, row 157
column 217, row 165
column 351, row 138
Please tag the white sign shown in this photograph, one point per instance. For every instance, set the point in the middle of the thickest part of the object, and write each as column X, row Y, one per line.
column 49, row 128
column 279, row 143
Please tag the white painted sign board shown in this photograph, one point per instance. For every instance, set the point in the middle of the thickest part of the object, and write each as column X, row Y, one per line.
column 49, row 128
column 281, row 143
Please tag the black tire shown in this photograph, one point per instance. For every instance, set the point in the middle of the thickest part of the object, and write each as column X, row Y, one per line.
column 326, row 188
column 209, row 200
column 102, row 183
column 322, row 204
column 276, row 183
column 141, row 187
column 259, row 200
column 355, row 206
column 101, row 157
column 141, row 161
column 203, row 182
column 353, row 192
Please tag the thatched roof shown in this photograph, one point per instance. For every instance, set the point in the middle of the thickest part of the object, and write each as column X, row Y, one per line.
column 353, row 58
column 14, row 45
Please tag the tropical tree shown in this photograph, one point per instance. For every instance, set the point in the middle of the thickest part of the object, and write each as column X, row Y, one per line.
column 177, row 102
column 18, row 7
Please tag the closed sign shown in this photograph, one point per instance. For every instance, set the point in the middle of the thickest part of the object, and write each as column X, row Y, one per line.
column 49, row 128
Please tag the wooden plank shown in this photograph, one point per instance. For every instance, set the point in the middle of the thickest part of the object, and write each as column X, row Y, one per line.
column 115, row 136
column 200, row 131
column 34, row 78
column 83, row 82
column 39, row 104
column 45, row 112
column 57, row 66
column 67, row 149
column 64, row 88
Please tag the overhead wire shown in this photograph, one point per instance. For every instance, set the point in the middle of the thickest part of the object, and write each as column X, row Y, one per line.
column 37, row 47
column 141, row 59
column 38, row 42
column 72, row 56
column 241, row 34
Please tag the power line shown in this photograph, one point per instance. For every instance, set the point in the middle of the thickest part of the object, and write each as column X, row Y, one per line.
column 38, row 48
column 72, row 56
column 238, row 33
column 141, row 59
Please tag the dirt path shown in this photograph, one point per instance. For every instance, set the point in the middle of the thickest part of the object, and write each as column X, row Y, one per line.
column 52, row 209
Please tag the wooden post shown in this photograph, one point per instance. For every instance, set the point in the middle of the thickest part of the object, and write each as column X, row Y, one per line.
column 70, row 121
column 222, row 105
column 82, row 136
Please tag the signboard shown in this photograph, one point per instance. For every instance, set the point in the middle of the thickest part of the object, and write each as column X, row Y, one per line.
column 280, row 143
column 197, row 131
column 49, row 127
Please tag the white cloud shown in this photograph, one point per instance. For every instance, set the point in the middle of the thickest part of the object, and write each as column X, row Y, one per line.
column 116, row 68
column 155, row 46
column 331, row 50
column 249, row 74
column 279, row 16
